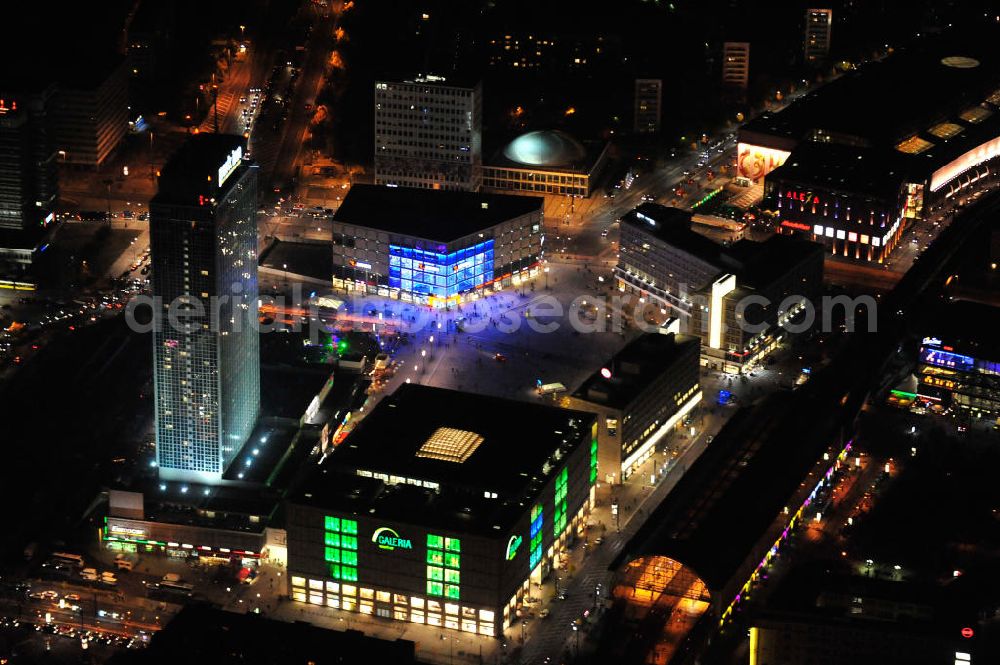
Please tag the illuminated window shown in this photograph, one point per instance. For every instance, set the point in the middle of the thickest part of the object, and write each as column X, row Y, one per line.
column 416, row 602
column 383, row 596
column 486, row 615
column 340, row 549
column 348, row 590
column 593, row 461
column 537, row 518
column 316, row 584
column 451, row 608
column 298, row 581
column 559, row 516
column 367, row 594
column 450, row 445
column 445, row 565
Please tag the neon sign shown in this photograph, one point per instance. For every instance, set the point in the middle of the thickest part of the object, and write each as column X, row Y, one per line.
column 513, row 545
column 796, row 225
column 801, row 196
column 127, row 531
column 231, row 164
column 387, row 539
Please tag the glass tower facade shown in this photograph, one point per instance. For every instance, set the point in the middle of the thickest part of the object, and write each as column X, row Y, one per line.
column 206, row 346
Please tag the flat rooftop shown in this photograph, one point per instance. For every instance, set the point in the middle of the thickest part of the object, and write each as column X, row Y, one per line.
column 210, row 635
column 845, row 169
column 673, row 226
column 429, row 213
column 637, row 365
column 765, row 262
column 458, row 446
column 883, row 102
column 196, row 168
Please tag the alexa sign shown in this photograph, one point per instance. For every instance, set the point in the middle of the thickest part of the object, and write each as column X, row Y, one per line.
column 230, row 165
column 387, row 539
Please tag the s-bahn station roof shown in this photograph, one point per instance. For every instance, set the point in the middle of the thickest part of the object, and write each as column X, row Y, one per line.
column 717, row 513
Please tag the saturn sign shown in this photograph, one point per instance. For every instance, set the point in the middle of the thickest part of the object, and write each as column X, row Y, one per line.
column 387, row 539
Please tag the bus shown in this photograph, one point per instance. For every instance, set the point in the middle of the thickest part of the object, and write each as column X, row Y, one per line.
column 68, row 559
column 170, row 591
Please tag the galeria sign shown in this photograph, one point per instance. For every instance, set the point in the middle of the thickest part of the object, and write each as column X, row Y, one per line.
column 387, row 539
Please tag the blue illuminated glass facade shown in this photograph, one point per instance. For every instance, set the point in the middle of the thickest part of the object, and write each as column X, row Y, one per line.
column 437, row 274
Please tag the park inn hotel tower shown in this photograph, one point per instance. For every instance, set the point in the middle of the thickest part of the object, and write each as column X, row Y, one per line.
column 203, row 234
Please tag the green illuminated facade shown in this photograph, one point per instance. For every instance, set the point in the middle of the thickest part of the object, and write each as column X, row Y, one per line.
column 341, row 548
column 444, row 561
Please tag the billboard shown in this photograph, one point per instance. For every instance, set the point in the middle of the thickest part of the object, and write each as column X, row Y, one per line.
column 755, row 162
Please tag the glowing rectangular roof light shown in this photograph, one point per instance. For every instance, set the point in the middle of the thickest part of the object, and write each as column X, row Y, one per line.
column 914, row 145
column 975, row 114
column 450, row 445
column 946, row 130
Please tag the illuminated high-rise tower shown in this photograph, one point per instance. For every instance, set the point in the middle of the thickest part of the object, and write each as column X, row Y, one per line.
column 203, row 233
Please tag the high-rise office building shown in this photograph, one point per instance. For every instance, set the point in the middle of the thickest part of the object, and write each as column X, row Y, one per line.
column 89, row 112
column 648, row 97
column 736, row 64
column 203, row 233
column 817, row 42
column 28, row 185
column 428, row 134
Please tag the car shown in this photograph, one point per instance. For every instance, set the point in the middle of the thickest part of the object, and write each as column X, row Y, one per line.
column 544, row 612
column 562, row 595
column 648, row 197
column 308, row 107
column 499, row 357
column 604, row 233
